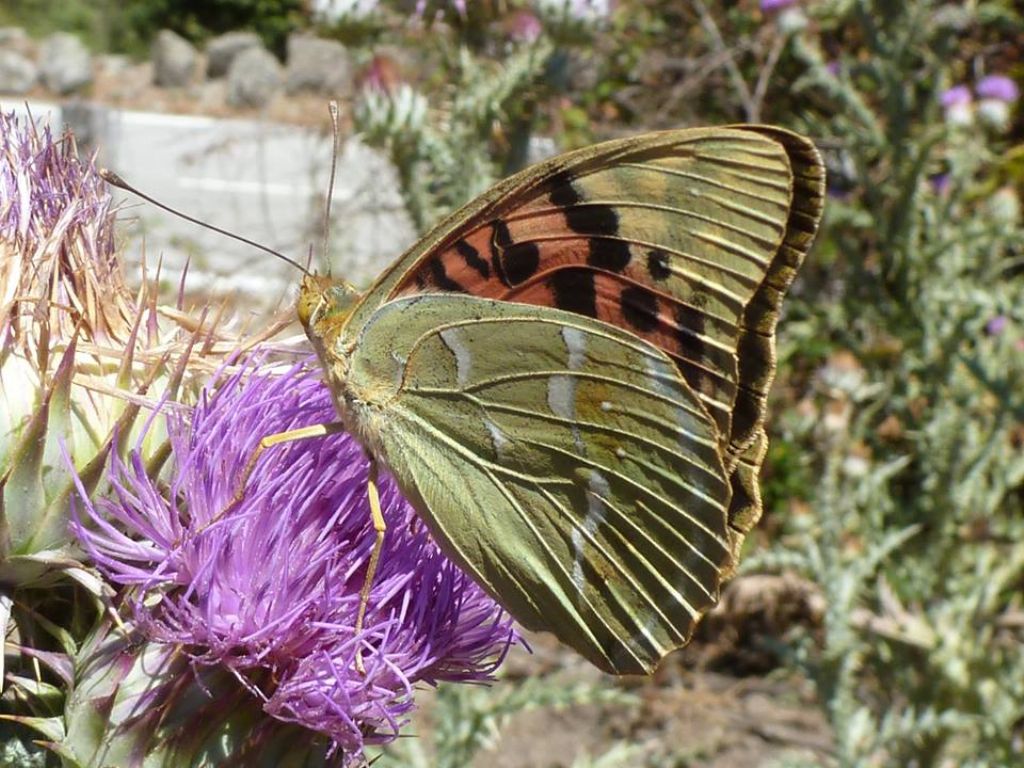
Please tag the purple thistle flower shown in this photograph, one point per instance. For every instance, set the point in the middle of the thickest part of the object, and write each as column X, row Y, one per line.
column 525, row 27
column 996, row 325
column 270, row 587
column 996, row 95
column 998, row 87
column 958, row 95
column 46, row 191
column 57, row 236
column 958, row 103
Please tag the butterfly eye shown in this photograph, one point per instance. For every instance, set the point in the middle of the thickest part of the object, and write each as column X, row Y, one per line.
column 323, row 298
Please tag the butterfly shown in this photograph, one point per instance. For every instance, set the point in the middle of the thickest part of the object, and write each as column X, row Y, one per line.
column 567, row 377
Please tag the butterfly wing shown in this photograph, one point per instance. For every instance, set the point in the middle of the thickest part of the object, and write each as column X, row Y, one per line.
column 562, row 462
column 689, row 239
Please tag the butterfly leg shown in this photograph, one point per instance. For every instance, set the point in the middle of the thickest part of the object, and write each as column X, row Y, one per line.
column 304, row 433
column 379, row 527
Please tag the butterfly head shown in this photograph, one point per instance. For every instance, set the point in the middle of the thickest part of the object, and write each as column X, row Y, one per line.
column 325, row 301
column 324, row 307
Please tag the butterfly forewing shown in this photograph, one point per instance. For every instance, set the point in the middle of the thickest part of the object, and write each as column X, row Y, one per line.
column 668, row 239
column 689, row 239
column 562, row 462
column 755, row 346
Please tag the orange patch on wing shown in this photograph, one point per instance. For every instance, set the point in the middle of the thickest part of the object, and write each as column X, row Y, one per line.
column 677, row 328
column 535, row 258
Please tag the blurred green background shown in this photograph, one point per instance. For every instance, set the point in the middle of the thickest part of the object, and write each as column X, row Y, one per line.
column 894, row 500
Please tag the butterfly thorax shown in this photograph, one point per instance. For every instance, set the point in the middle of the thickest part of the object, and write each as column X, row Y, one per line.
column 324, row 307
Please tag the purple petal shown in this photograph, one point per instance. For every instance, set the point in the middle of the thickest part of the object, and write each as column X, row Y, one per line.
column 996, row 325
column 958, row 95
column 998, row 87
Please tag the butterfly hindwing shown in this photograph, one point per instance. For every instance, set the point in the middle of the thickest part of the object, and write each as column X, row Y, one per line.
column 562, row 462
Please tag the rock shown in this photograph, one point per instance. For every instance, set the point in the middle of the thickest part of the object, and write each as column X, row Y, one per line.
column 175, row 60
column 65, row 63
column 255, row 76
column 318, row 65
column 122, row 80
column 113, row 64
column 17, row 73
column 222, row 50
column 332, row 11
column 16, row 40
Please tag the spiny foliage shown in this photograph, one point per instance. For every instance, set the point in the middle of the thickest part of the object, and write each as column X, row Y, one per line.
column 913, row 422
column 897, row 460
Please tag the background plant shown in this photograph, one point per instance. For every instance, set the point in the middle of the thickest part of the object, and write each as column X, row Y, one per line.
column 894, row 480
column 897, row 466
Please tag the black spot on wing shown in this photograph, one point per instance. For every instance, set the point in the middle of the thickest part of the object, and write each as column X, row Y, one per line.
column 521, row 261
column 690, row 324
column 600, row 224
column 472, row 258
column 574, row 291
column 640, row 308
column 594, row 219
column 610, row 255
column 563, row 193
column 513, row 262
column 658, row 262
column 441, row 279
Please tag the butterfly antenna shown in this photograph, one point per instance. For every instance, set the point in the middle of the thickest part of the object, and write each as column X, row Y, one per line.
column 116, row 181
column 333, row 109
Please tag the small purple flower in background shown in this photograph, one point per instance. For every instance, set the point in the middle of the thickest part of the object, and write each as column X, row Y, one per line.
column 956, row 96
column 996, row 325
column 269, row 588
column 997, row 87
column 996, row 95
column 789, row 17
column 959, row 105
column 940, row 183
column 524, row 27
